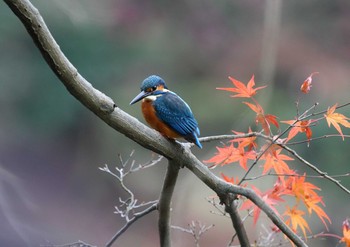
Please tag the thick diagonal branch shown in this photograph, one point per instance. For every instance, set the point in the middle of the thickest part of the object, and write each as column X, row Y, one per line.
column 105, row 108
column 165, row 203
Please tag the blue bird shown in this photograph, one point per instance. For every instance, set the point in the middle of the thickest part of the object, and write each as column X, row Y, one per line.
column 166, row 112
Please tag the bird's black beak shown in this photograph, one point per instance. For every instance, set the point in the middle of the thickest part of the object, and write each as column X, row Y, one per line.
column 140, row 96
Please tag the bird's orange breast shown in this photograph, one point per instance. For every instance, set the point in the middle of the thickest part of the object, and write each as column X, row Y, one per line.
column 150, row 116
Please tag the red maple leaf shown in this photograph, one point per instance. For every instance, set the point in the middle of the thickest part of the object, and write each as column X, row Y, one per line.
column 261, row 118
column 242, row 90
column 299, row 127
column 306, row 86
column 230, row 154
column 346, row 233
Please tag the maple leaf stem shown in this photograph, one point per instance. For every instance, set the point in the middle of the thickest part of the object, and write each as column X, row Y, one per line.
column 255, row 101
column 297, row 102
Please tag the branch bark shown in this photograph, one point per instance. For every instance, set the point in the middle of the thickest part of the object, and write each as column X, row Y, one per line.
column 106, row 109
column 231, row 209
column 164, row 204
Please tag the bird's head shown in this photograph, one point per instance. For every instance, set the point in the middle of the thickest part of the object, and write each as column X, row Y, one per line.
column 151, row 88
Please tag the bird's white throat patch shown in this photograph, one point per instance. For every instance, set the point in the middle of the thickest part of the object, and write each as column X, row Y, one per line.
column 152, row 97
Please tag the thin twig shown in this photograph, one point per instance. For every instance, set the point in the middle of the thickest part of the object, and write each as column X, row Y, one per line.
column 218, row 206
column 192, row 230
column 325, row 111
column 75, row 244
column 227, row 137
column 315, row 138
column 297, row 175
column 130, row 222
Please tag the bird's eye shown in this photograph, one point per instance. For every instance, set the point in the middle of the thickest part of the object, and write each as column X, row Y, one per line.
column 154, row 88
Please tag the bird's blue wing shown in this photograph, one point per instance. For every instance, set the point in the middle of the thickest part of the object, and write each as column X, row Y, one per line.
column 175, row 113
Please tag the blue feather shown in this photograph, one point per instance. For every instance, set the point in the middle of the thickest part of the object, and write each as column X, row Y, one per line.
column 175, row 112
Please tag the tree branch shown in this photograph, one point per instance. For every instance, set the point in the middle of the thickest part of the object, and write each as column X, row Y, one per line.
column 231, row 209
column 164, row 203
column 105, row 108
column 76, row 244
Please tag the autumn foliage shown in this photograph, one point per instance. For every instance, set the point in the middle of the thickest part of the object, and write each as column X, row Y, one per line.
column 291, row 196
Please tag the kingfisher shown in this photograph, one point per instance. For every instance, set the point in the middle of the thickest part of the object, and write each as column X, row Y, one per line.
column 166, row 112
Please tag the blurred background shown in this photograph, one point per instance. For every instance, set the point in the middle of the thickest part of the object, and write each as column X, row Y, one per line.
column 51, row 190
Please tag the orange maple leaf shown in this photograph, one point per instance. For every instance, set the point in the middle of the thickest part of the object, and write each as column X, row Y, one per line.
column 299, row 127
column 222, row 157
column 305, row 192
column 230, row 154
column 346, row 233
column 242, row 90
column 335, row 119
column 296, row 220
column 301, row 189
column 306, row 86
column 261, row 118
column 246, row 142
column 275, row 160
column 312, row 206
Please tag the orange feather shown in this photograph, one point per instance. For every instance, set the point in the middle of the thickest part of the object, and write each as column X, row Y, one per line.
column 150, row 115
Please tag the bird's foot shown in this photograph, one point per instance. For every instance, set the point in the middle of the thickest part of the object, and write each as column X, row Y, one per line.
column 185, row 145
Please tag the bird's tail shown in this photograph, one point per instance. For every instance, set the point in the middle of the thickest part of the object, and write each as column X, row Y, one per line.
column 194, row 138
